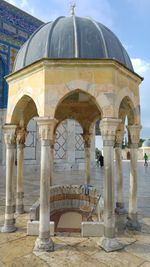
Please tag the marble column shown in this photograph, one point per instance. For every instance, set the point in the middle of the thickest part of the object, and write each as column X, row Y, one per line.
column 46, row 131
column 87, row 148
column 134, row 137
column 20, row 140
column 10, row 141
column 52, row 142
column 108, row 128
column 119, row 172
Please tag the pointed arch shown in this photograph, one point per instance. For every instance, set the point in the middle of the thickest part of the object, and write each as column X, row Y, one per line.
column 25, row 110
column 79, row 105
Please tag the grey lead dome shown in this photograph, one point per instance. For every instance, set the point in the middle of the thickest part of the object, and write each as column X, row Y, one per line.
column 72, row 37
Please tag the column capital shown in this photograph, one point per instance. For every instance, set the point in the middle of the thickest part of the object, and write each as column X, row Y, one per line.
column 87, row 138
column 119, row 135
column 9, row 134
column 46, row 127
column 134, row 134
column 108, row 128
column 21, row 135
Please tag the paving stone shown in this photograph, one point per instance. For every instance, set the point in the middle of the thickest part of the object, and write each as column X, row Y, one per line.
column 27, row 261
column 118, row 259
column 145, row 264
column 16, row 248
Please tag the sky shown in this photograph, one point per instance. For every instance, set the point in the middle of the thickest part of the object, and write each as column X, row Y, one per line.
column 128, row 19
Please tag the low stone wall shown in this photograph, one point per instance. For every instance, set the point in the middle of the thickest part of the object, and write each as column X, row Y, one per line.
column 71, row 197
column 66, row 197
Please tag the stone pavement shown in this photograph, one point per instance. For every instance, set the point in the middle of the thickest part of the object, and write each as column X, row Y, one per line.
column 16, row 249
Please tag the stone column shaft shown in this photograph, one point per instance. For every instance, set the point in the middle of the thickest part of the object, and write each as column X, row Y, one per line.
column 21, row 137
column 52, row 142
column 44, row 231
column 133, row 182
column 9, row 135
column 108, row 130
column 119, row 172
column 109, row 216
column 46, row 131
column 87, row 149
column 118, row 154
column 20, row 190
column 134, row 136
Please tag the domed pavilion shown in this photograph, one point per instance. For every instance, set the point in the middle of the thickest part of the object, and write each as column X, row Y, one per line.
column 73, row 67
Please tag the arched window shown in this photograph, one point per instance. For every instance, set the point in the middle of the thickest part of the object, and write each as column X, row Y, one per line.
column 3, row 85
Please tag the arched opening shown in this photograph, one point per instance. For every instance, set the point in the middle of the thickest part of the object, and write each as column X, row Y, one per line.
column 76, row 114
column 127, row 109
column 69, row 145
column 24, row 110
column 80, row 110
column 80, row 106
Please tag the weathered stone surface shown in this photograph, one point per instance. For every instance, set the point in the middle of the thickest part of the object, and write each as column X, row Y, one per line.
column 92, row 229
column 16, row 249
column 33, row 228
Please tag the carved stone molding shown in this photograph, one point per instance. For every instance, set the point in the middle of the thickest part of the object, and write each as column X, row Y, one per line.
column 108, row 128
column 21, row 135
column 134, row 133
column 46, row 127
column 9, row 134
column 87, row 138
column 119, row 135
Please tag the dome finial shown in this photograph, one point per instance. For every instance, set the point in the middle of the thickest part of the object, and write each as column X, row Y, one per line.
column 72, row 8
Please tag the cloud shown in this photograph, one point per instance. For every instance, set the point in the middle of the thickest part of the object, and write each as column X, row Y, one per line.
column 23, row 4
column 140, row 66
column 101, row 10
column 11, row 2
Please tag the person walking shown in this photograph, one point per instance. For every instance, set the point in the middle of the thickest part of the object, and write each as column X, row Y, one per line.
column 101, row 160
column 145, row 159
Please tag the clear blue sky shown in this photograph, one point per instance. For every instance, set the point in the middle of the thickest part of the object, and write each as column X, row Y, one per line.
column 128, row 19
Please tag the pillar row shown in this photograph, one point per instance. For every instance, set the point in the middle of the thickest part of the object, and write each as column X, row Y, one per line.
column 87, row 148
column 52, row 143
column 20, row 140
column 108, row 128
column 134, row 137
column 46, row 132
column 10, row 142
column 119, row 172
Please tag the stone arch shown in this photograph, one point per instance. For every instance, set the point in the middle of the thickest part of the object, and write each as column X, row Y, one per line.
column 79, row 105
column 128, row 105
column 19, row 96
column 24, row 110
column 127, row 109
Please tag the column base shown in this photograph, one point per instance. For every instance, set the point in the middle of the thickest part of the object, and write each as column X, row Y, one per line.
column 44, row 245
column 7, row 228
column 20, row 209
column 120, row 208
column 110, row 244
column 132, row 223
